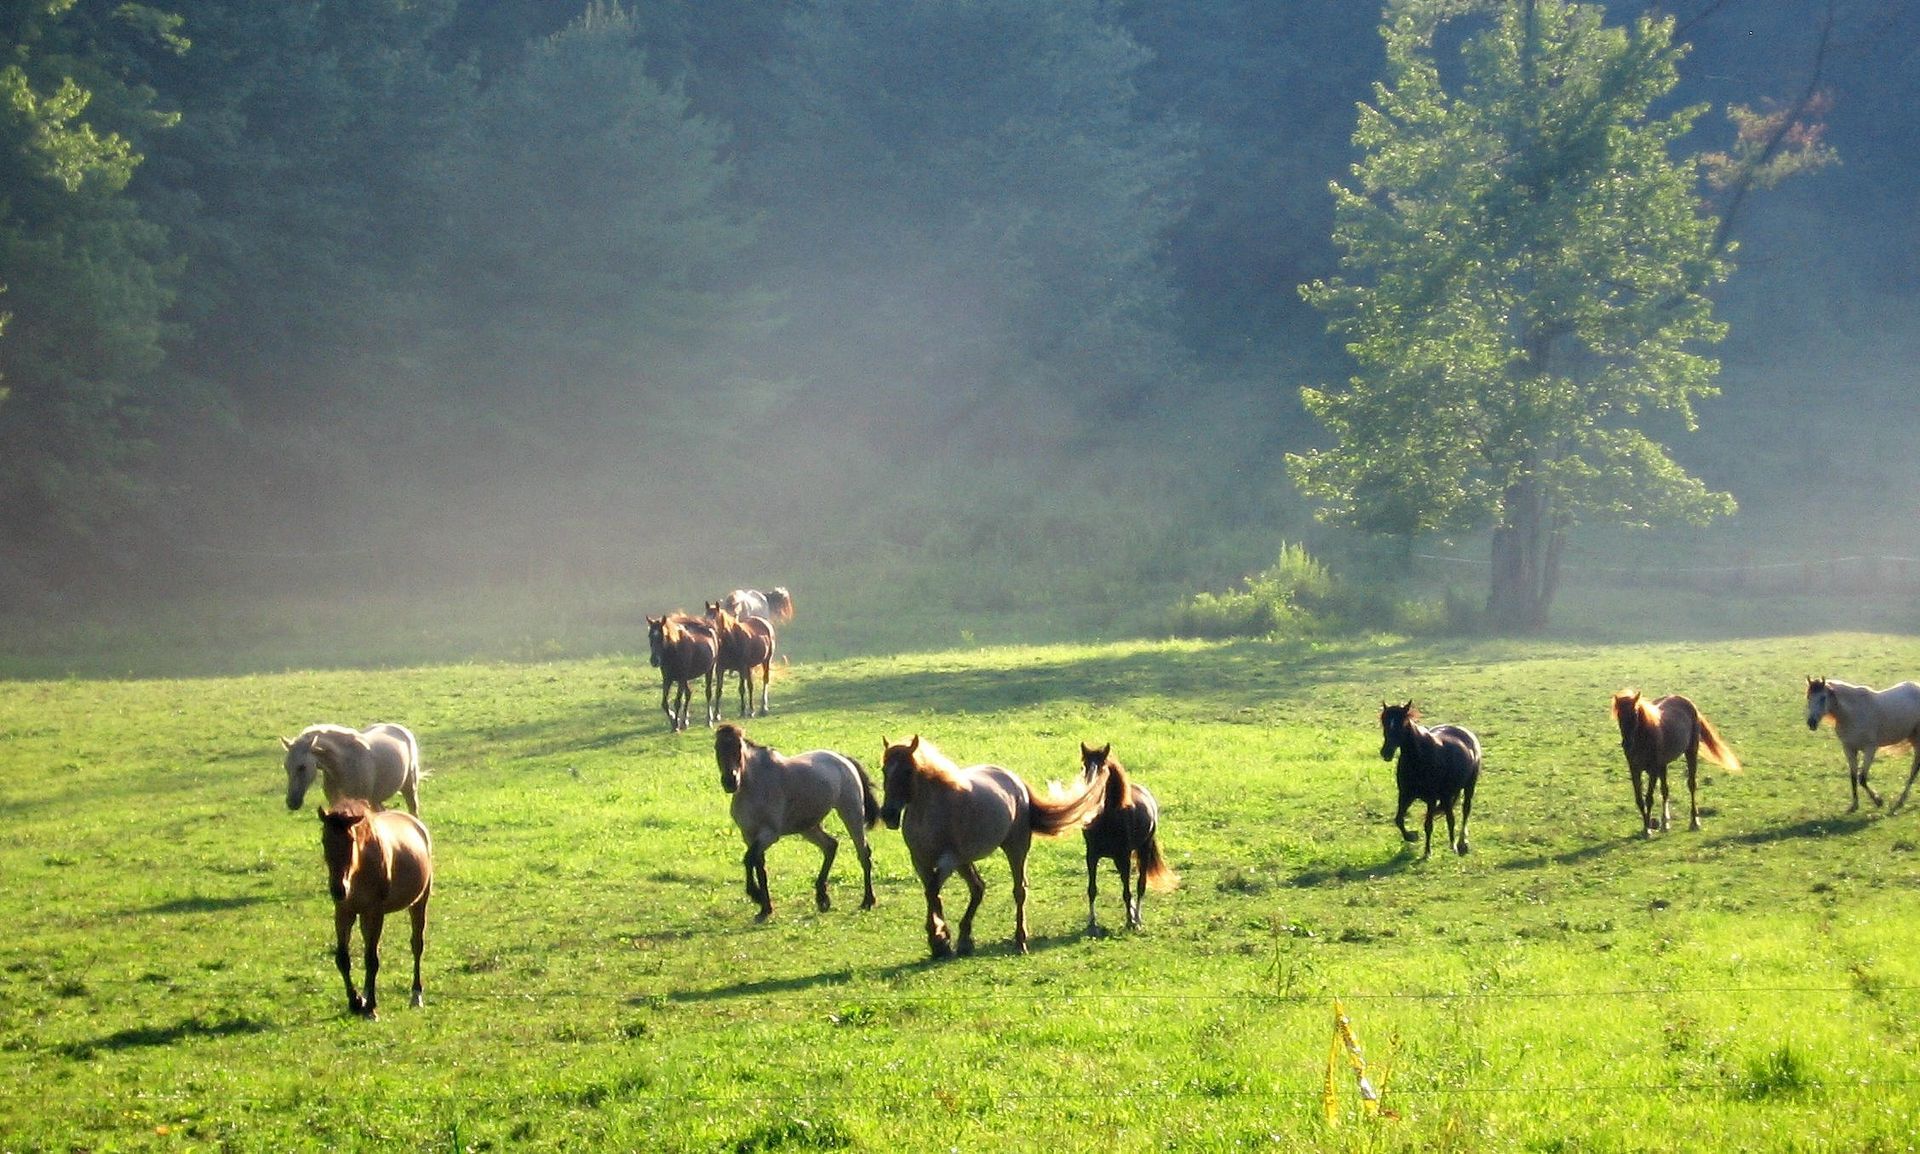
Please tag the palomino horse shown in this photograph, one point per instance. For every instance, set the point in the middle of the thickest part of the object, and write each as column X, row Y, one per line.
column 682, row 648
column 1126, row 828
column 746, row 644
column 776, row 604
column 1652, row 734
column 379, row 862
column 774, row 796
column 1867, row 721
column 371, row 765
column 1436, row 766
column 952, row 817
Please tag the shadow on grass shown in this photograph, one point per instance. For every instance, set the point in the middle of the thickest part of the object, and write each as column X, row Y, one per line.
column 1812, row 827
column 1584, row 854
column 1399, row 862
column 141, row 1037
column 865, row 977
column 199, row 905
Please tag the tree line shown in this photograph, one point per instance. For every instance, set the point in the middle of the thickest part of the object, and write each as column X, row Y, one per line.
column 281, row 279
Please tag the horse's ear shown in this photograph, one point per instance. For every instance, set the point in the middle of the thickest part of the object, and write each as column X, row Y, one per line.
column 914, row 745
column 1105, row 750
column 286, row 743
column 1409, row 705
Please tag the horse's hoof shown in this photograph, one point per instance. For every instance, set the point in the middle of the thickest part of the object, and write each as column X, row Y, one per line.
column 763, row 915
column 965, row 949
column 418, row 1001
column 824, row 902
column 866, row 903
column 1410, row 836
column 1094, row 930
column 1694, row 825
column 941, row 948
column 1462, row 849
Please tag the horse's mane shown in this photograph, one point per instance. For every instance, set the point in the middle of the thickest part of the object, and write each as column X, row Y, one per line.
column 1630, row 701
column 930, row 762
column 1119, row 787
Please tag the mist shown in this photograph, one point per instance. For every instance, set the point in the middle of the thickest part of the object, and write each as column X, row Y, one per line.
column 991, row 303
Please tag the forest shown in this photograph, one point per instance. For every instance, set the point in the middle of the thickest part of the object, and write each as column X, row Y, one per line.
column 356, row 295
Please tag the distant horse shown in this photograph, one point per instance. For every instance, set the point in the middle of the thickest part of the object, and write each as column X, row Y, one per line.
column 1436, row 766
column 371, row 765
column 746, row 644
column 774, row 796
column 682, row 648
column 379, row 862
column 1126, row 828
column 951, row 817
column 776, row 604
column 1867, row 721
column 1652, row 734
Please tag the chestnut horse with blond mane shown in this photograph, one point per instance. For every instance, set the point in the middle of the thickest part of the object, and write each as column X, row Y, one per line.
column 683, row 648
column 1654, row 733
column 746, row 644
column 952, row 817
column 379, row 862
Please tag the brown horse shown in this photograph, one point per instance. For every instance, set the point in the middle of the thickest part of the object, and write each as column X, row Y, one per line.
column 746, row 644
column 775, row 795
column 1126, row 829
column 1652, row 734
column 952, row 817
column 682, row 648
column 379, row 862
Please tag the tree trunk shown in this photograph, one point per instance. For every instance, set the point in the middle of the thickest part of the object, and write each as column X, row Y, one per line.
column 1526, row 561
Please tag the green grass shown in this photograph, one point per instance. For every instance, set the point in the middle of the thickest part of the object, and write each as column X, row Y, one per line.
column 594, row 976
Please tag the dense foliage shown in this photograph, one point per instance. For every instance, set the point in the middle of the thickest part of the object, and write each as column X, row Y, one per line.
column 526, row 284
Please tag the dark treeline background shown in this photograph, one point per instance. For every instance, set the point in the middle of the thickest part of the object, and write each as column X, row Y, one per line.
column 404, row 293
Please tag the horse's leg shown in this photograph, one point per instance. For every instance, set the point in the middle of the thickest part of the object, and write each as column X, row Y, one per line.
column 755, row 863
column 939, row 939
column 1643, row 799
column 1693, row 787
column 713, row 704
column 853, row 816
column 666, row 687
column 1666, row 802
column 829, row 848
column 342, row 933
column 1866, row 763
column 371, row 923
column 1428, row 850
column 1128, row 897
column 1448, row 810
column 1093, row 887
column 1466, row 812
column 977, row 889
column 410, row 790
column 1911, row 774
column 1400, row 817
column 419, row 912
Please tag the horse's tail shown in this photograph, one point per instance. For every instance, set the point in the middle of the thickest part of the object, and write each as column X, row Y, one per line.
column 869, row 801
column 1154, row 870
column 1714, row 746
column 1051, row 816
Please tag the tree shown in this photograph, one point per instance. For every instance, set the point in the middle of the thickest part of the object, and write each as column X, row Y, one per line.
column 1527, row 266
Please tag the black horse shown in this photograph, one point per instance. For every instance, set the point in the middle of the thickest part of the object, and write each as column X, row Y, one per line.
column 1436, row 766
column 1127, row 828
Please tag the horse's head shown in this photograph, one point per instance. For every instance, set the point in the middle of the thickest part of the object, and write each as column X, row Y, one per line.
column 1093, row 761
column 303, row 762
column 780, row 602
column 897, row 768
column 343, row 831
column 1395, row 723
column 730, row 750
column 1626, row 711
column 656, row 639
column 1819, row 701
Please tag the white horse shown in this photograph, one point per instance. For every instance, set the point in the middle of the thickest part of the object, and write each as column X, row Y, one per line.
column 371, row 765
column 776, row 604
column 774, row 796
column 1867, row 721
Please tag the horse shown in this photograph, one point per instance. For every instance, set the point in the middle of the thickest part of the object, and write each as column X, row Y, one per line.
column 1867, row 721
column 379, row 862
column 682, row 648
column 746, row 644
column 951, row 817
column 372, row 764
column 1436, row 766
column 1125, row 829
column 776, row 604
column 774, row 796
column 1652, row 734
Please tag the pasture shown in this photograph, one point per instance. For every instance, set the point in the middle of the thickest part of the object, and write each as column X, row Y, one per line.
column 594, row 975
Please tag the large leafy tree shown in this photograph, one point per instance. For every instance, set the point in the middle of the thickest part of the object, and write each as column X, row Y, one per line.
column 1525, row 293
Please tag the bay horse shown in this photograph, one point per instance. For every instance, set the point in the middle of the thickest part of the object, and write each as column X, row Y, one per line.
column 774, row 796
column 1867, row 721
column 683, row 649
column 746, row 644
column 776, row 604
column 1126, row 829
column 371, row 764
column 379, row 862
column 1654, row 733
column 1436, row 766
column 951, row 817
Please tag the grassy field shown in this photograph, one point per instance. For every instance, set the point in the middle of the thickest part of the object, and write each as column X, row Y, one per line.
column 594, row 977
